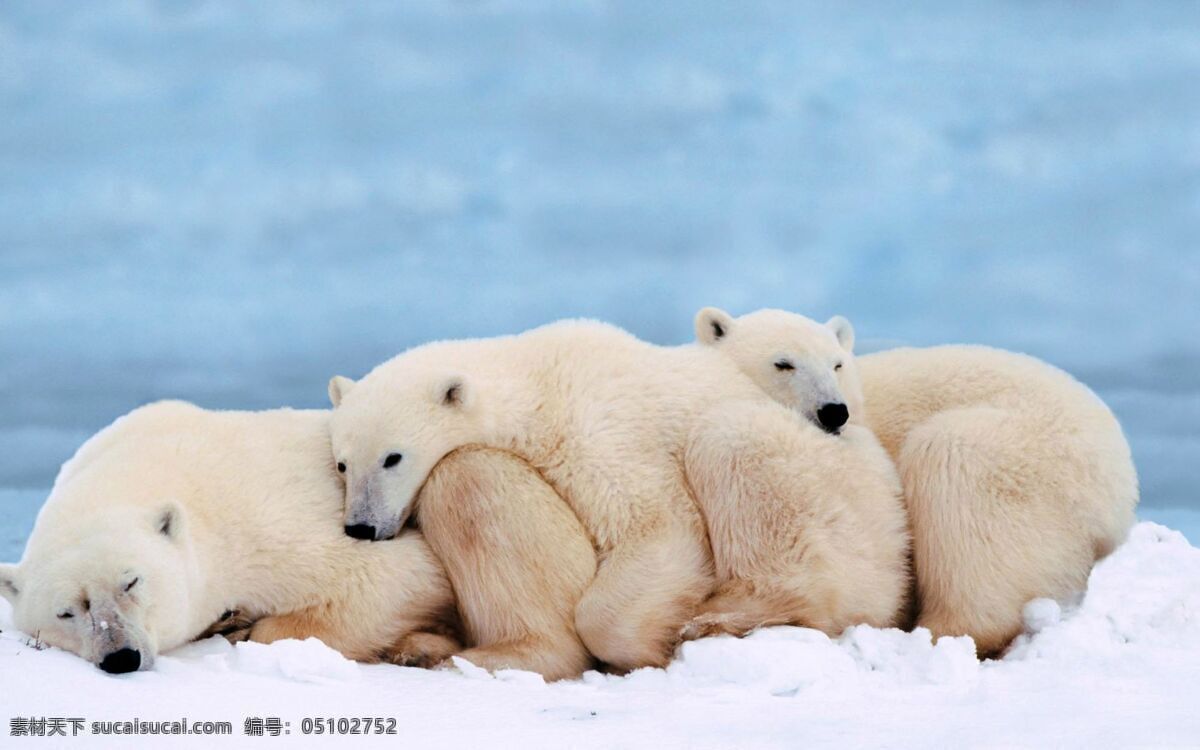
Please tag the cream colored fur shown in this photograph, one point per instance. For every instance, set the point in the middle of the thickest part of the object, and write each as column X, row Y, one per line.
column 252, row 509
column 1016, row 476
column 606, row 419
column 517, row 557
column 805, row 525
column 603, row 418
column 257, row 533
column 806, row 528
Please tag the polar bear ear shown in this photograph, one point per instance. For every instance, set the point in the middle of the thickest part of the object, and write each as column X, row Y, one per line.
column 454, row 391
column 339, row 386
column 843, row 330
column 169, row 521
column 712, row 325
column 8, row 582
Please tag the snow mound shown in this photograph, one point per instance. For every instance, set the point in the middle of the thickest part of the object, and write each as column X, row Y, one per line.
column 784, row 661
column 513, row 676
column 293, row 660
column 1145, row 593
column 1120, row 667
column 309, row 660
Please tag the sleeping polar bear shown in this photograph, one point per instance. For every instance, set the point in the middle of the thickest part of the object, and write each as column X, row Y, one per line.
column 1017, row 477
column 174, row 517
column 712, row 507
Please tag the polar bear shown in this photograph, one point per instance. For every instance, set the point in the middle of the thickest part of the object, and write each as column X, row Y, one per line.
column 175, row 517
column 606, row 419
column 1017, row 477
column 517, row 558
column 806, row 528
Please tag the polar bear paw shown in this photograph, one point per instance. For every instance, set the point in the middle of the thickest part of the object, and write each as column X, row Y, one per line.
column 424, row 650
column 234, row 626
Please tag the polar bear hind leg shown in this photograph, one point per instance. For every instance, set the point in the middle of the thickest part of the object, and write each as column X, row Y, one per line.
column 996, row 516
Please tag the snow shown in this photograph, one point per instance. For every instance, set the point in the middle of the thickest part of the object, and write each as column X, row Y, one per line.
column 1119, row 668
column 300, row 661
column 1040, row 614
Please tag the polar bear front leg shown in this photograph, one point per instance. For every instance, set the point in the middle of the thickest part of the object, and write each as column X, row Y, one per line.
column 234, row 626
column 377, row 593
column 412, row 649
column 738, row 608
column 313, row 622
column 420, row 649
column 517, row 557
column 645, row 589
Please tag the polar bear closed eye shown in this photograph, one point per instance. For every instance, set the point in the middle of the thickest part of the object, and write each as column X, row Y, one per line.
column 1017, row 478
column 804, row 365
column 605, row 418
column 175, row 517
column 599, row 414
column 109, row 589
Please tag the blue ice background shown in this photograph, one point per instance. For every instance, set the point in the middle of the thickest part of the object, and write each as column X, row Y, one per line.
column 228, row 202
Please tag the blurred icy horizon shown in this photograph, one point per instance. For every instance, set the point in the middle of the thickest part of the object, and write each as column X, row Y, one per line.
column 228, row 203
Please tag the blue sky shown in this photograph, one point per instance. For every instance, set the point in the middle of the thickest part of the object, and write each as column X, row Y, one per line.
column 229, row 203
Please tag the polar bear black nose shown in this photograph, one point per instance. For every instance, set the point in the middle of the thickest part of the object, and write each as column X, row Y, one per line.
column 121, row 661
column 361, row 531
column 833, row 416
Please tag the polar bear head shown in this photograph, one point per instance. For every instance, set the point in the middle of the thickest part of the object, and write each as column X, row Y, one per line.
column 388, row 431
column 106, row 581
column 109, row 572
column 804, row 365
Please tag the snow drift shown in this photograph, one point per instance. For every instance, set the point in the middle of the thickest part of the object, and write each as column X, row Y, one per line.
column 1119, row 668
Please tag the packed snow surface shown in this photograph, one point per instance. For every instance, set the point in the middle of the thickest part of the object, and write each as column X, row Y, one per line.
column 1119, row 669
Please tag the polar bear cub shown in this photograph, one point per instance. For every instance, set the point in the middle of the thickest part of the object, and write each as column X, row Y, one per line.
column 806, row 521
column 1017, row 478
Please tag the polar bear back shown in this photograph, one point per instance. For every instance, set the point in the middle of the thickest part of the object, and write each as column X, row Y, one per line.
column 262, row 470
column 904, row 387
column 1080, row 476
column 589, row 384
column 601, row 414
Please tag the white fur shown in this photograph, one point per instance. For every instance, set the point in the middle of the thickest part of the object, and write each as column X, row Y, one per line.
column 812, row 524
column 518, row 559
column 604, row 417
column 1017, row 477
column 807, row 528
column 208, row 512
column 765, row 343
